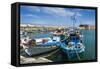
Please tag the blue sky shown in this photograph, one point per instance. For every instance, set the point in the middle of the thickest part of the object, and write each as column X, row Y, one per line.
column 56, row 15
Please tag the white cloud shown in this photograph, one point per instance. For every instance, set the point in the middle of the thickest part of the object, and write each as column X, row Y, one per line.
column 57, row 11
column 30, row 15
column 34, row 8
column 52, row 11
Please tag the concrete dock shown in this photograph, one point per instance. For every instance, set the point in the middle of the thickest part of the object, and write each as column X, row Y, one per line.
column 24, row 60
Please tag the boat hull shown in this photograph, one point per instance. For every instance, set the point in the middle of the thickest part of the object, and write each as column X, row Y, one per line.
column 38, row 50
column 72, row 51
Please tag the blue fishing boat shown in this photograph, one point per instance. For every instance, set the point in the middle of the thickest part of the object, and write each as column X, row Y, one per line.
column 73, row 44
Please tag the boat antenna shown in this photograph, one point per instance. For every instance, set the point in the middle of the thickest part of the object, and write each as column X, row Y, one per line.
column 73, row 18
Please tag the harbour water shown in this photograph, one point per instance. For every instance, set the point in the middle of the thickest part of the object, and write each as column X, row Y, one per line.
column 89, row 42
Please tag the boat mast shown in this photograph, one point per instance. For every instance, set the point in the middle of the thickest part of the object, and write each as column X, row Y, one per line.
column 73, row 18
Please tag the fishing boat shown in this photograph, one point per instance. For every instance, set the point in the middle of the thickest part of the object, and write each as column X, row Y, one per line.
column 73, row 46
column 35, row 47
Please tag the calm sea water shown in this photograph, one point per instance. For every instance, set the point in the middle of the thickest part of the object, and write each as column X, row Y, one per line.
column 88, row 41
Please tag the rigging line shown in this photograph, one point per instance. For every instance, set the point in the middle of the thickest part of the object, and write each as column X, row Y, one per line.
column 68, row 55
column 52, row 53
column 77, row 55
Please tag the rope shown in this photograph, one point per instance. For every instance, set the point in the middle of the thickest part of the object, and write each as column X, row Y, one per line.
column 52, row 53
column 77, row 55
